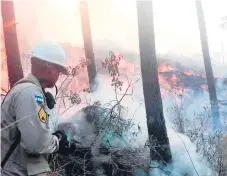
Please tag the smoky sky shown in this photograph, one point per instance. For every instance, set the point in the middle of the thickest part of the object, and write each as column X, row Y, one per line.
column 175, row 24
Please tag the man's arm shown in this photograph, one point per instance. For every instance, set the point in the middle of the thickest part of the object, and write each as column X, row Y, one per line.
column 32, row 121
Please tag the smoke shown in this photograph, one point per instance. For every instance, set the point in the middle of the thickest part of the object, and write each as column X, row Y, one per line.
column 186, row 161
column 181, row 159
column 185, row 158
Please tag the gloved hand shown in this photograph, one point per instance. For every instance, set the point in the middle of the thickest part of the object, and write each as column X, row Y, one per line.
column 65, row 147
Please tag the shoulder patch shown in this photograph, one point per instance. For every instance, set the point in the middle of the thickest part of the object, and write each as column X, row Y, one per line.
column 39, row 99
column 42, row 115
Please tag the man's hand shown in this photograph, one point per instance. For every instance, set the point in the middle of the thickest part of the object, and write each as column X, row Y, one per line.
column 65, row 147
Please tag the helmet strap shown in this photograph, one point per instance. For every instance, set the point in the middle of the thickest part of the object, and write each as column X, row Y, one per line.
column 56, row 89
column 41, row 81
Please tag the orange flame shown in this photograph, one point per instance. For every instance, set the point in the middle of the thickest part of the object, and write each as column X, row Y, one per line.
column 163, row 83
column 165, row 68
column 174, row 80
column 9, row 24
column 190, row 73
column 204, row 87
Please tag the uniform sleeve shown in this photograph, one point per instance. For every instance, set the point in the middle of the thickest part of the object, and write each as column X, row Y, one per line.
column 32, row 122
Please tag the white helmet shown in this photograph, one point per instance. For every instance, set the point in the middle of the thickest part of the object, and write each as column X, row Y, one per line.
column 51, row 52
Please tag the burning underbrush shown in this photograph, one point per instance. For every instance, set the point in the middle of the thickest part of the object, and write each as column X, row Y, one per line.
column 119, row 146
column 109, row 126
column 103, row 144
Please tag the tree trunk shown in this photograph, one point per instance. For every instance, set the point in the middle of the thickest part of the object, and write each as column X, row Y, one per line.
column 88, row 47
column 208, row 67
column 151, row 89
column 15, row 71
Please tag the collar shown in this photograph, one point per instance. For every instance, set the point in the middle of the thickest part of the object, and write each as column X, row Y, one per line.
column 34, row 80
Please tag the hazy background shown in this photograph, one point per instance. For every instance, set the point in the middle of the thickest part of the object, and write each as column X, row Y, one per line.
column 114, row 27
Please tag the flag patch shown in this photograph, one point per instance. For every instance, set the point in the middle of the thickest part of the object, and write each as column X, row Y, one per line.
column 39, row 99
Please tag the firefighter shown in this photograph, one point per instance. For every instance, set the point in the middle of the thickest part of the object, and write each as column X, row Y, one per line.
column 26, row 139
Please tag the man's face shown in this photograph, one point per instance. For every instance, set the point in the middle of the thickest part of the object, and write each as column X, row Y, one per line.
column 53, row 75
